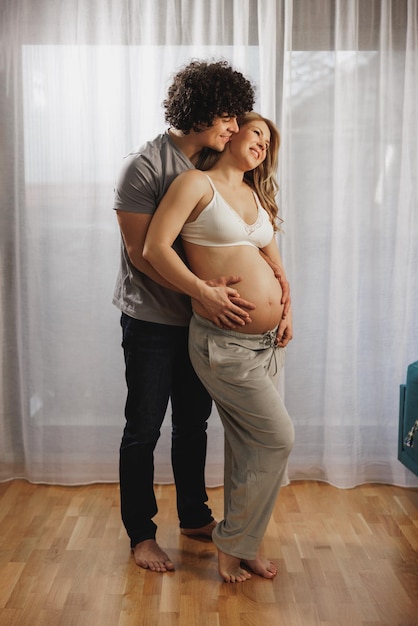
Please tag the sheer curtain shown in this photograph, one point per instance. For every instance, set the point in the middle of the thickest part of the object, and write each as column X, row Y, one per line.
column 81, row 84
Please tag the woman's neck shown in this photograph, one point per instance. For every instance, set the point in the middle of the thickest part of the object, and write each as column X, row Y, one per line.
column 226, row 173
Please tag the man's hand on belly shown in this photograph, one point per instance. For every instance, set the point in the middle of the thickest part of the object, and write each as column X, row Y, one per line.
column 237, row 309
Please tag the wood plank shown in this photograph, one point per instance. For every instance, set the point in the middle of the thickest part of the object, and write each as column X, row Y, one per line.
column 344, row 558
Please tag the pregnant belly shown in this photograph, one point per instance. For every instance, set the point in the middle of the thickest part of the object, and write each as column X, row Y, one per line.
column 258, row 284
column 262, row 289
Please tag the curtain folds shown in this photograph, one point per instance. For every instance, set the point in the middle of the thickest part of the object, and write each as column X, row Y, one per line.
column 81, row 84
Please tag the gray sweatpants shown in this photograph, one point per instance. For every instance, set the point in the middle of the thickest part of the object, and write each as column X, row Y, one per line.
column 240, row 371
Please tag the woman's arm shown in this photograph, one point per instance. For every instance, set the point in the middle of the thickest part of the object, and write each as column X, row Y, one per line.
column 272, row 256
column 133, row 227
column 280, row 274
column 182, row 197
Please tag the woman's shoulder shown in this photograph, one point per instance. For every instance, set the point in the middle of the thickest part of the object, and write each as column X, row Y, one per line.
column 190, row 187
column 194, row 177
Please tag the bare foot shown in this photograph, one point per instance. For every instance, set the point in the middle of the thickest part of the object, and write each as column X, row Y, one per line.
column 148, row 554
column 230, row 568
column 261, row 566
column 203, row 531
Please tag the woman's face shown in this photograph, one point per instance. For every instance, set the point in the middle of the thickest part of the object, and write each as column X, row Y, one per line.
column 251, row 143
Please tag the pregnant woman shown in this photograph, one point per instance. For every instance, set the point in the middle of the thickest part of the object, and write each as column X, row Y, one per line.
column 226, row 216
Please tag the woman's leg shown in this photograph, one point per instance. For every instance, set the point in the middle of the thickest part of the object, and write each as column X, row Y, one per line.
column 240, row 373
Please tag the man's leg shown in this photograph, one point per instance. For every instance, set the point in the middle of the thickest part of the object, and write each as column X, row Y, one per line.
column 148, row 353
column 191, row 408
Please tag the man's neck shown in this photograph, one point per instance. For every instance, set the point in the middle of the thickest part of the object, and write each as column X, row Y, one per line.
column 186, row 143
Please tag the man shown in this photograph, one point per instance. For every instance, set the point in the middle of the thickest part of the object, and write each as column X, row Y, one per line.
column 201, row 107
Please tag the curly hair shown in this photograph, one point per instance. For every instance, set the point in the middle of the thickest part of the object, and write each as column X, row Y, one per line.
column 202, row 91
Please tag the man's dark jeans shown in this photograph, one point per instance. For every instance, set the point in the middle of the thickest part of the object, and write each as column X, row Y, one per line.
column 158, row 368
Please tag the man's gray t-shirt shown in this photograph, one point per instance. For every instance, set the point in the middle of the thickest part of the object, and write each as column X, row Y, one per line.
column 145, row 177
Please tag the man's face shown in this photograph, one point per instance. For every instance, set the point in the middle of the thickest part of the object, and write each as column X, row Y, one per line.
column 218, row 135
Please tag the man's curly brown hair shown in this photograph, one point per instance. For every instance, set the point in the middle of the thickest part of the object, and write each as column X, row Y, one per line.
column 202, row 91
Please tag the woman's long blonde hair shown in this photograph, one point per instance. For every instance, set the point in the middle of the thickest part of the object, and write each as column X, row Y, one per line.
column 263, row 178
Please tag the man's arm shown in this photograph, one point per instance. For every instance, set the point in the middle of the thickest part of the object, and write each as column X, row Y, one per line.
column 226, row 301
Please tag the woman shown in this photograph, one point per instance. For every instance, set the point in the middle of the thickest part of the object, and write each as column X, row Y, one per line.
column 224, row 228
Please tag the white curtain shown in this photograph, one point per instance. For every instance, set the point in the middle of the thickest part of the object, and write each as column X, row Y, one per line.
column 81, row 84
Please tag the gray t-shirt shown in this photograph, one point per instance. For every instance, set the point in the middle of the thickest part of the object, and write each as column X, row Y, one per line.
column 145, row 177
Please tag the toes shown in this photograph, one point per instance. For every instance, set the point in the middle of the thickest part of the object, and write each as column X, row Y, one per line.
column 272, row 568
column 239, row 577
column 266, row 569
column 148, row 555
column 157, row 566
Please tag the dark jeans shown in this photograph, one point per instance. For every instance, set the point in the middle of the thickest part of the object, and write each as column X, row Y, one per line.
column 158, row 368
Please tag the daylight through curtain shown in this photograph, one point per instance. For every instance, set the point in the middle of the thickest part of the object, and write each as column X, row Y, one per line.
column 80, row 85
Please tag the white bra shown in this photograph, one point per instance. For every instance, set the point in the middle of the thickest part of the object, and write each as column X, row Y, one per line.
column 220, row 225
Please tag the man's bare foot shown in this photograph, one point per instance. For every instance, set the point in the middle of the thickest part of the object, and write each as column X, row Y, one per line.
column 230, row 568
column 203, row 531
column 261, row 566
column 148, row 554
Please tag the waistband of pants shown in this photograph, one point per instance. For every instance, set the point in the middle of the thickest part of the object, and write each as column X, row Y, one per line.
column 265, row 340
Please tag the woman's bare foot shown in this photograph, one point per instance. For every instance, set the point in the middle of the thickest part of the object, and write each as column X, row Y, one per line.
column 261, row 566
column 230, row 568
column 203, row 531
column 148, row 554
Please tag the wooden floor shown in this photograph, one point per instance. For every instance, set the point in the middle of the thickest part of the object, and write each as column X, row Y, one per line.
column 345, row 558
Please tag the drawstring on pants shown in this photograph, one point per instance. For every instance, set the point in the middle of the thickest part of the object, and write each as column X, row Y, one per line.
column 270, row 341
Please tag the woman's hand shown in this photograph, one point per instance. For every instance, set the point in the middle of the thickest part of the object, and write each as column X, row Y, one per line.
column 285, row 330
column 284, row 284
